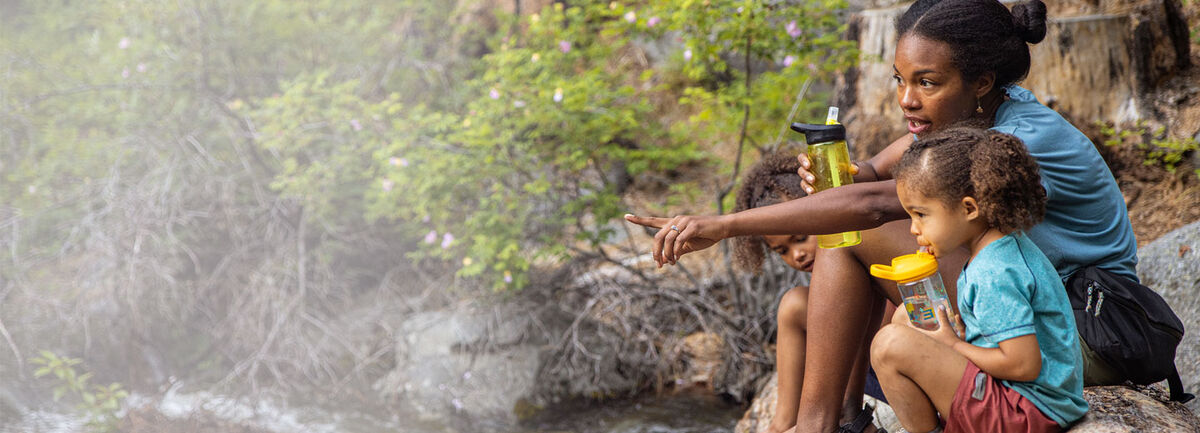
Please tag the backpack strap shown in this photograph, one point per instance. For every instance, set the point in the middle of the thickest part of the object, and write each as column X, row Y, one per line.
column 1176, row 386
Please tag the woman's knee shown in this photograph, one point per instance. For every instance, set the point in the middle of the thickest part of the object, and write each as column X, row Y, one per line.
column 793, row 307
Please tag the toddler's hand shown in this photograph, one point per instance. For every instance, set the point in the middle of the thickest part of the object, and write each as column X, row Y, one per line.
column 945, row 333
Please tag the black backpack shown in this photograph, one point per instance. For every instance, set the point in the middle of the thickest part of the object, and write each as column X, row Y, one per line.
column 1129, row 326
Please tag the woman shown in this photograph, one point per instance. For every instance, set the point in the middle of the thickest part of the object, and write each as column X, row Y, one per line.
column 956, row 60
column 771, row 181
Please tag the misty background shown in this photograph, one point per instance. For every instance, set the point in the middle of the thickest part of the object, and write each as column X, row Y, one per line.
column 276, row 204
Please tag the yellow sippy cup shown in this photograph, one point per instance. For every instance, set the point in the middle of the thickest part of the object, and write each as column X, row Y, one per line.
column 920, row 284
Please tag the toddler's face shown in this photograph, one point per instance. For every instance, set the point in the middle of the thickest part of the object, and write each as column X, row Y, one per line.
column 798, row 251
column 936, row 225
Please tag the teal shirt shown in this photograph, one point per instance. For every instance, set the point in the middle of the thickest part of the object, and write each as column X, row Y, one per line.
column 1086, row 220
column 1009, row 289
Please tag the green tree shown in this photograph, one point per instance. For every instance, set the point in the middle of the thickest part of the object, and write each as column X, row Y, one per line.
column 530, row 168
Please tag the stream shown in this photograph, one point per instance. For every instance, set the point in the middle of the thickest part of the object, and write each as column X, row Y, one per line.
column 694, row 412
column 689, row 412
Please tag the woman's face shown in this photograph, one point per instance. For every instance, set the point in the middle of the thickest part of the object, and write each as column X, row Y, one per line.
column 798, row 251
column 931, row 91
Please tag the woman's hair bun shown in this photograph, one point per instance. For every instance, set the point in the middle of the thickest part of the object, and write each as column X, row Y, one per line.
column 1030, row 18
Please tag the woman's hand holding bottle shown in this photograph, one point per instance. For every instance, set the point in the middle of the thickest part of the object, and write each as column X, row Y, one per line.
column 807, row 178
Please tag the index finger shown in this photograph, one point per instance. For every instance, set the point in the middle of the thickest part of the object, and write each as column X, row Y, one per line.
column 653, row 222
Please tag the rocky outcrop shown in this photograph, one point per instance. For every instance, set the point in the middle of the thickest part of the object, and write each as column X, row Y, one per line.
column 762, row 409
column 463, row 364
column 1171, row 266
column 1127, row 409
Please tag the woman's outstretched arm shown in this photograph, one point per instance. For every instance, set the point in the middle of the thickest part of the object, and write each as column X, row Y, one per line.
column 858, row 206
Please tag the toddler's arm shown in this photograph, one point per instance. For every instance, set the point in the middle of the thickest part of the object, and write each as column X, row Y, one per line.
column 1017, row 358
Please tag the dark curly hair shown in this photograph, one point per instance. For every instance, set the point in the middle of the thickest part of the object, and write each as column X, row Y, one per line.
column 982, row 34
column 772, row 180
column 997, row 171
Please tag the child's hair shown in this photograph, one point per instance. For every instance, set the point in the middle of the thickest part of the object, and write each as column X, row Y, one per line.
column 993, row 167
column 774, row 179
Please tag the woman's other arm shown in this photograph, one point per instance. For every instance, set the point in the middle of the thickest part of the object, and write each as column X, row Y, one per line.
column 881, row 164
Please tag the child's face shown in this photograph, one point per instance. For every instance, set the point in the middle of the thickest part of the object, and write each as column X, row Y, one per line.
column 940, row 227
column 798, row 251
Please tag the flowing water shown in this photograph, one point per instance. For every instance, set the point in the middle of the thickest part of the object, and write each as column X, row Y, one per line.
column 680, row 413
column 691, row 413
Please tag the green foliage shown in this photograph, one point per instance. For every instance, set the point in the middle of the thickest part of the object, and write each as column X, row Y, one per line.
column 1159, row 148
column 491, row 142
column 728, row 40
column 528, row 168
column 100, row 402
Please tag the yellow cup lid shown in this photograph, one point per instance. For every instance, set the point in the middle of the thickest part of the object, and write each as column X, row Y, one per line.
column 907, row 268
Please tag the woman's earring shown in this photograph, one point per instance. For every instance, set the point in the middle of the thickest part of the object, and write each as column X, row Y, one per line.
column 978, row 107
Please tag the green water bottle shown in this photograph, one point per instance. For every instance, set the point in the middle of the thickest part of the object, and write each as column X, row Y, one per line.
column 830, row 166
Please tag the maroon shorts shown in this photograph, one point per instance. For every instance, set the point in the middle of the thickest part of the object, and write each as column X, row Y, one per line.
column 982, row 404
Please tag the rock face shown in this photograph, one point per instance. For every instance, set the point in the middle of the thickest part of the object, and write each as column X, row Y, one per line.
column 1125, row 409
column 1171, row 266
column 443, row 374
column 762, row 409
column 704, row 358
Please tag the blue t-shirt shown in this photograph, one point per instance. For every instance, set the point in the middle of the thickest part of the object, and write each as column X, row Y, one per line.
column 1086, row 220
column 1009, row 289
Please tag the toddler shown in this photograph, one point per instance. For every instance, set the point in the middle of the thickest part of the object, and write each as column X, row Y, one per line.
column 1018, row 367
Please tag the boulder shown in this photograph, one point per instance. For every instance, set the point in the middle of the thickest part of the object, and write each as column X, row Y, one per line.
column 762, row 409
column 1134, row 409
column 1171, row 266
column 489, row 363
column 703, row 359
column 465, row 364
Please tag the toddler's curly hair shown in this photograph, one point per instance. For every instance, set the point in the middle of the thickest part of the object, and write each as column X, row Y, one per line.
column 993, row 167
column 774, row 179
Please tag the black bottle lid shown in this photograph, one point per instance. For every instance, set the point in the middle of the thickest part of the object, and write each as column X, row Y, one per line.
column 820, row 133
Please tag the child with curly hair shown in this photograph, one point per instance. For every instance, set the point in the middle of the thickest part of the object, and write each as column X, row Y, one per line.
column 1018, row 368
column 774, row 179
